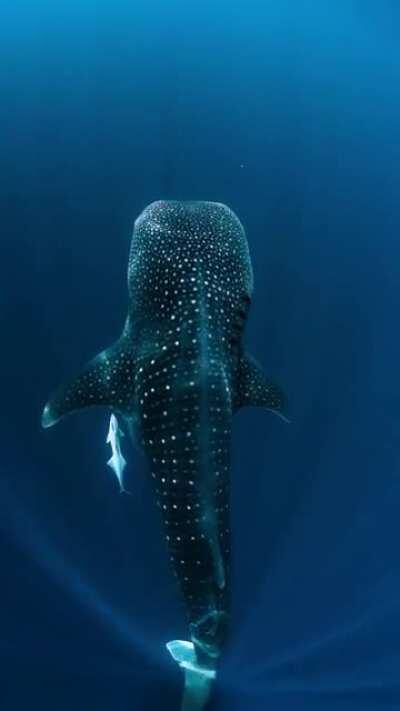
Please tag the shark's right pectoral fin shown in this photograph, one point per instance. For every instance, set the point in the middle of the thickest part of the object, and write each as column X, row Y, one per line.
column 253, row 389
column 108, row 380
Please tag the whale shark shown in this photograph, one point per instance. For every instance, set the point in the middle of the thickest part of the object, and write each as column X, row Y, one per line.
column 176, row 376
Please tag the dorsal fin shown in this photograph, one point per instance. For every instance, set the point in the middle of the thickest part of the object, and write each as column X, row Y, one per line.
column 108, row 380
column 253, row 389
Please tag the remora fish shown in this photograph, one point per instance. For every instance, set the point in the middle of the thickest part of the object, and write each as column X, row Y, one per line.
column 179, row 370
column 117, row 460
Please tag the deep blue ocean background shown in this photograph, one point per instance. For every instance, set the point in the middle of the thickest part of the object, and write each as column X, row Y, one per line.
column 289, row 112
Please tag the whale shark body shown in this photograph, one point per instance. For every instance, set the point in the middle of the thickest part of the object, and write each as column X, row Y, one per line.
column 176, row 375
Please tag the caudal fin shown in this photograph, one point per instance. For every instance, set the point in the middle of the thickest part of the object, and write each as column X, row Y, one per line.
column 198, row 679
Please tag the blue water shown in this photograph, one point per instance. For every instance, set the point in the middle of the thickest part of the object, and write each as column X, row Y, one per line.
column 289, row 113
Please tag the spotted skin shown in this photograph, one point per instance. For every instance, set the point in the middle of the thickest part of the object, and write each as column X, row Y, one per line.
column 179, row 371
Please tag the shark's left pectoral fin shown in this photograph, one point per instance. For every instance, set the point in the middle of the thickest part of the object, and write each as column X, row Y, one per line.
column 106, row 380
column 253, row 389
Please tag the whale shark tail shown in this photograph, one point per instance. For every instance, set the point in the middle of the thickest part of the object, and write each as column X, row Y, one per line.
column 199, row 658
column 198, row 679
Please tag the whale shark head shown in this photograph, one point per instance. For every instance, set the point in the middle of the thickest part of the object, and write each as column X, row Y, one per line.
column 185, row 255
column 180, row 371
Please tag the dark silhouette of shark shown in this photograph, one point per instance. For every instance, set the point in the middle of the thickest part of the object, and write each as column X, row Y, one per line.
column 176, row 375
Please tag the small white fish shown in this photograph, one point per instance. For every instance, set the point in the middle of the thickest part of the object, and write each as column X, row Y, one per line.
column 117, row 461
